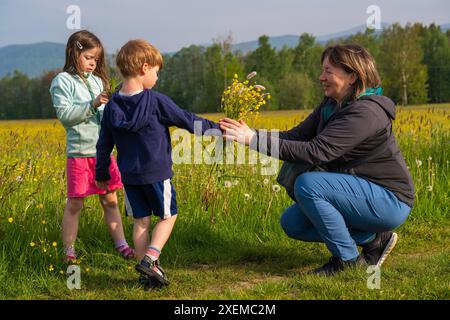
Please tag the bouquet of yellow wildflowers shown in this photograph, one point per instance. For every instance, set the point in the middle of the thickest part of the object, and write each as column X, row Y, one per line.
column 241, row 99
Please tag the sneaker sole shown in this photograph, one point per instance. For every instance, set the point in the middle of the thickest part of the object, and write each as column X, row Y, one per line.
column 149, row 283
column 391, row 244
column 152, row 274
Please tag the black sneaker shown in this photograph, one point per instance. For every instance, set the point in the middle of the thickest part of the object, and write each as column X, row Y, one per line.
column 148, row 283
column 376, row 251
column 336, row 265
column 146, row 267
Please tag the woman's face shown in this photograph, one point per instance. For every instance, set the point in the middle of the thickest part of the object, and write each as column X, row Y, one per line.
column 335, row 81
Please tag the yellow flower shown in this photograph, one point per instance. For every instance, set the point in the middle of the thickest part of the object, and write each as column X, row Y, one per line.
column 10, row 220
column 43, row 222
column 60, row 271
column 54, row 244
column 40, row 206
column 87, row 269
column 51, row 268
column 32, row 244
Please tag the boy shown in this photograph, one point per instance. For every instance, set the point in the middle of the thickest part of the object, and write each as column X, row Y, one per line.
column 136, row 120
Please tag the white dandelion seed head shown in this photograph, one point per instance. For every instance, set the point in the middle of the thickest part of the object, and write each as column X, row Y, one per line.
column 251, row 75
column 235, row 182
column 429, row 188
column 266, row 181
column 247, row 196
column 430, row 158
column 228, row 184
column 19, row 179
column 418, row 162
column 276, row 188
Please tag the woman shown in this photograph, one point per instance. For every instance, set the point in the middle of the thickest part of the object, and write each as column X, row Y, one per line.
column 350, row 203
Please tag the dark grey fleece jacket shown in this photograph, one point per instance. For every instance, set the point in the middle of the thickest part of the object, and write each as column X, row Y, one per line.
column 352, row 132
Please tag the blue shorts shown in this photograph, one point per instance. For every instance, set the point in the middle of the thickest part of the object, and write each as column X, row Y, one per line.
column 157, row 198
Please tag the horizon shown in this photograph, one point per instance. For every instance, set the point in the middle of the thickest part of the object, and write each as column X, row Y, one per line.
column 202, row 21
column 247, row 41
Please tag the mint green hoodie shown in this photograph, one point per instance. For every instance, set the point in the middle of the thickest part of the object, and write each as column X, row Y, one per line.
column 73, row 104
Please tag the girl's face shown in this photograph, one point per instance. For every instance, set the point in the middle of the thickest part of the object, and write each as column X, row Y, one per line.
column 335, row 81
column 87, row 60
column 150, row 76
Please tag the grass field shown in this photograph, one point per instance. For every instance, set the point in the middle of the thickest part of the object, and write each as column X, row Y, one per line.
column 225, row 245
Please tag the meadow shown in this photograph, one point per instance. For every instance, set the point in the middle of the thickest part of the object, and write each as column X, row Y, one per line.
column 227, row 243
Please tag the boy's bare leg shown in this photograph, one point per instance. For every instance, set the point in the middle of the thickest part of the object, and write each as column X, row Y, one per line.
column 141, row 227
column 112, row 216
column 70, row 221
column 162, row 231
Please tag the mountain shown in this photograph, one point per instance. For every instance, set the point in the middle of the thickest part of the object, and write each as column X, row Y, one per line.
column 445, row 27
column 292, row 40
column 31, row 59
column 34, row 59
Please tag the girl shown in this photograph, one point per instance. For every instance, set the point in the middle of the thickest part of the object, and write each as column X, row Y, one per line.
column 78, row 97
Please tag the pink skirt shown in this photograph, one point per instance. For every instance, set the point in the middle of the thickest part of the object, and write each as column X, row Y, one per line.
column 81, row 177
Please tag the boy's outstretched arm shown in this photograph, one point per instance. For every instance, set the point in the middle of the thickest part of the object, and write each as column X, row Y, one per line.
column 105, row 145
column 172, row 115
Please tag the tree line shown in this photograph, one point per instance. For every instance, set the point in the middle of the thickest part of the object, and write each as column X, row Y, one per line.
column 413, row 61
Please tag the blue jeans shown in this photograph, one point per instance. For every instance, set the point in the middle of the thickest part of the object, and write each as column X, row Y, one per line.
column 341, row 210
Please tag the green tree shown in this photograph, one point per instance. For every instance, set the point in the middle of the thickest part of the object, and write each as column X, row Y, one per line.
column 263, row 60
column 221, row 65
column 307, row 55
column 183, row 78
column 286, row 60
column 403, row 73
column 296, row 91
column 436, row 47
column 16, row 95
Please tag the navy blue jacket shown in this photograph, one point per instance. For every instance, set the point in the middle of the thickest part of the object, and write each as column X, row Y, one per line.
column 139, row 127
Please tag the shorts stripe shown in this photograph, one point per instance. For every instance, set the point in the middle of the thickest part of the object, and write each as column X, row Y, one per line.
column 128, row 208
column 167, row 198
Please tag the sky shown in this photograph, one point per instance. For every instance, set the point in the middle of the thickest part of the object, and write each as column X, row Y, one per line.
column 173, row 24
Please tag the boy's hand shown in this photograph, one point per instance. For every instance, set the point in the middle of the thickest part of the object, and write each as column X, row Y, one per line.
column 102, row 185
column 102, row 98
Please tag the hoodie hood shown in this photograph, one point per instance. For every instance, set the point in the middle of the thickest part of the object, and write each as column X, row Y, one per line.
column 130, row 113
column 384, row 102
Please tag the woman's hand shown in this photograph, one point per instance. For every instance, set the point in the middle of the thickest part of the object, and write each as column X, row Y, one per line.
column 236, row 130
column 102, row 98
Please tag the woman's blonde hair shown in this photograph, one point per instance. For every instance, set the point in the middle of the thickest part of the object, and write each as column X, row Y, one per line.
column 353, row 58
